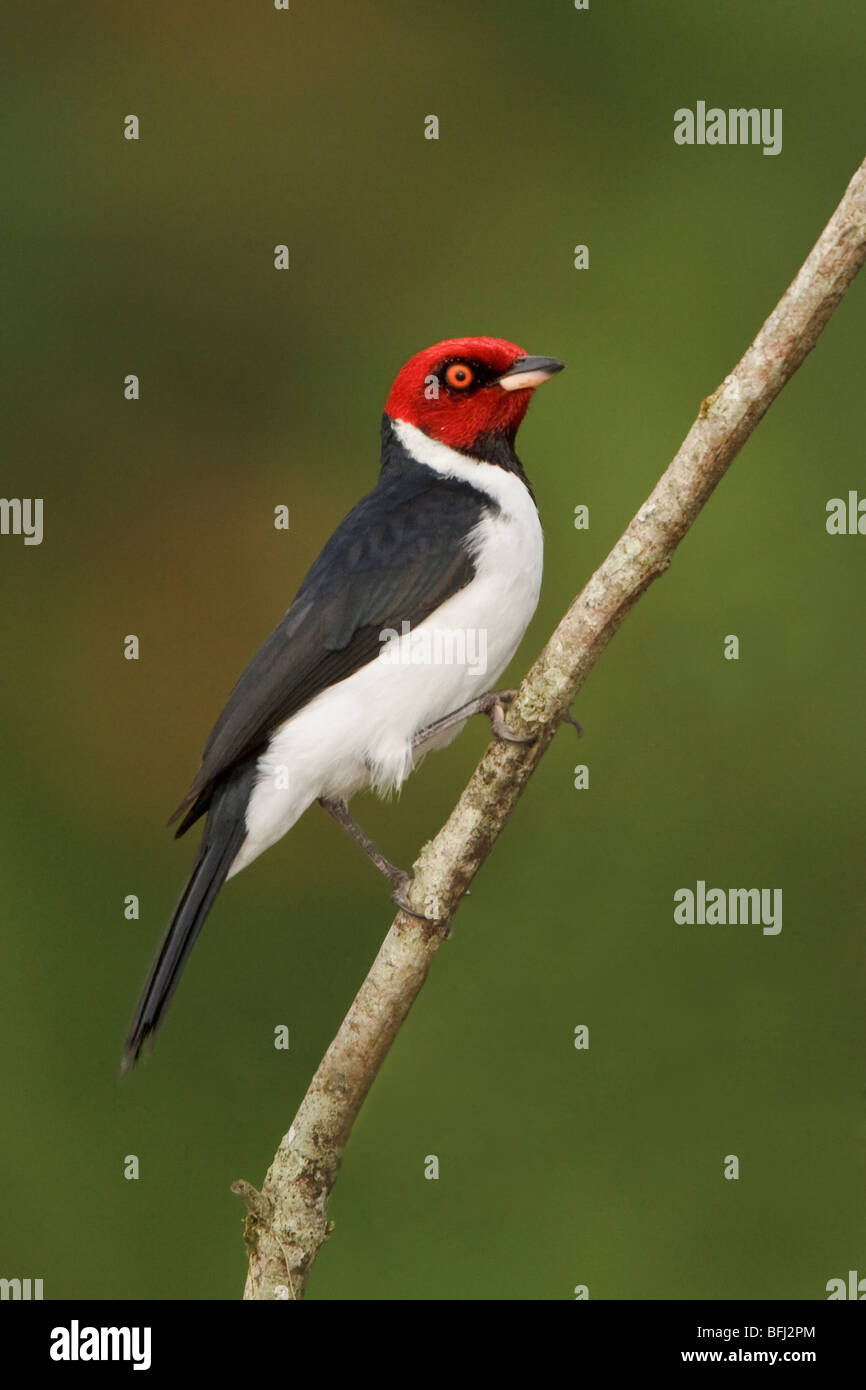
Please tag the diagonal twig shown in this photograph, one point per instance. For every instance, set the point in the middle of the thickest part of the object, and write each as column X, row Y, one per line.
column 287, row 1222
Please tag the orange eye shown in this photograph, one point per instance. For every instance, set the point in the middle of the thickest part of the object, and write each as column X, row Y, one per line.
column 459, row 376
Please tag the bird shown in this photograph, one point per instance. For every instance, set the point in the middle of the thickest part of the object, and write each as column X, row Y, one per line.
column 398, row 633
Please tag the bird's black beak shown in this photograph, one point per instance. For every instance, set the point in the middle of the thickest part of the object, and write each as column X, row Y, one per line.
column 527, row 372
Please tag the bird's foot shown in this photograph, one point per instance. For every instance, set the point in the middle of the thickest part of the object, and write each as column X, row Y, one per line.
column 493, row 705
column 402, row 882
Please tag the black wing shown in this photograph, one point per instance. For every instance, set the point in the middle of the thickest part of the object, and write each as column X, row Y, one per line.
column 397, row 556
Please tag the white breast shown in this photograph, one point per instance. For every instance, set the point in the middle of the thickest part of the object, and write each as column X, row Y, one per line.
column 508, row 549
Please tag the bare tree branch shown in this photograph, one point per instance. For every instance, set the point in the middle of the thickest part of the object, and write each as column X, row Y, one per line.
column 287, row 1222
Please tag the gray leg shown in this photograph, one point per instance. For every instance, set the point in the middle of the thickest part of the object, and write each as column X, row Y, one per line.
column 398, row 878
column 492, row 704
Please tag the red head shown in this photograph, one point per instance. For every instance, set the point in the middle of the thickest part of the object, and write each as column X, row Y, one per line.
column 464, row 388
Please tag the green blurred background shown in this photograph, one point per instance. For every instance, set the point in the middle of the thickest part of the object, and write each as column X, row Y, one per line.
column 558, row 1167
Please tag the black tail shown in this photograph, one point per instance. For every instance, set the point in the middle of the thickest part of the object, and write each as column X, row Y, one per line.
column 224, row 833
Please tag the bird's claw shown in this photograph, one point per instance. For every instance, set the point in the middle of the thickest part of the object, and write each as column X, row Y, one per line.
column 402, row 883
column 493, row 705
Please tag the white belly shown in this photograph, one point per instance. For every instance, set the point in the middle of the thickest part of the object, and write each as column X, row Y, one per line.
column 359, row 732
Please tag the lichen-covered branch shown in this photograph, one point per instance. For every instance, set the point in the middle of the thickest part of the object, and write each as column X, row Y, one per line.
column 287, row 1222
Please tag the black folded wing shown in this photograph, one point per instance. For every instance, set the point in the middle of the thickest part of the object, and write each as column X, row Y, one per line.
column 398, row 555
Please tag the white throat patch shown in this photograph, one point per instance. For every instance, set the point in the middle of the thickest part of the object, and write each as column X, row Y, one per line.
column 506, row 489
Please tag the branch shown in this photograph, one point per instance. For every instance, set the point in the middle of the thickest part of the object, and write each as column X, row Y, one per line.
column 287, row 1222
